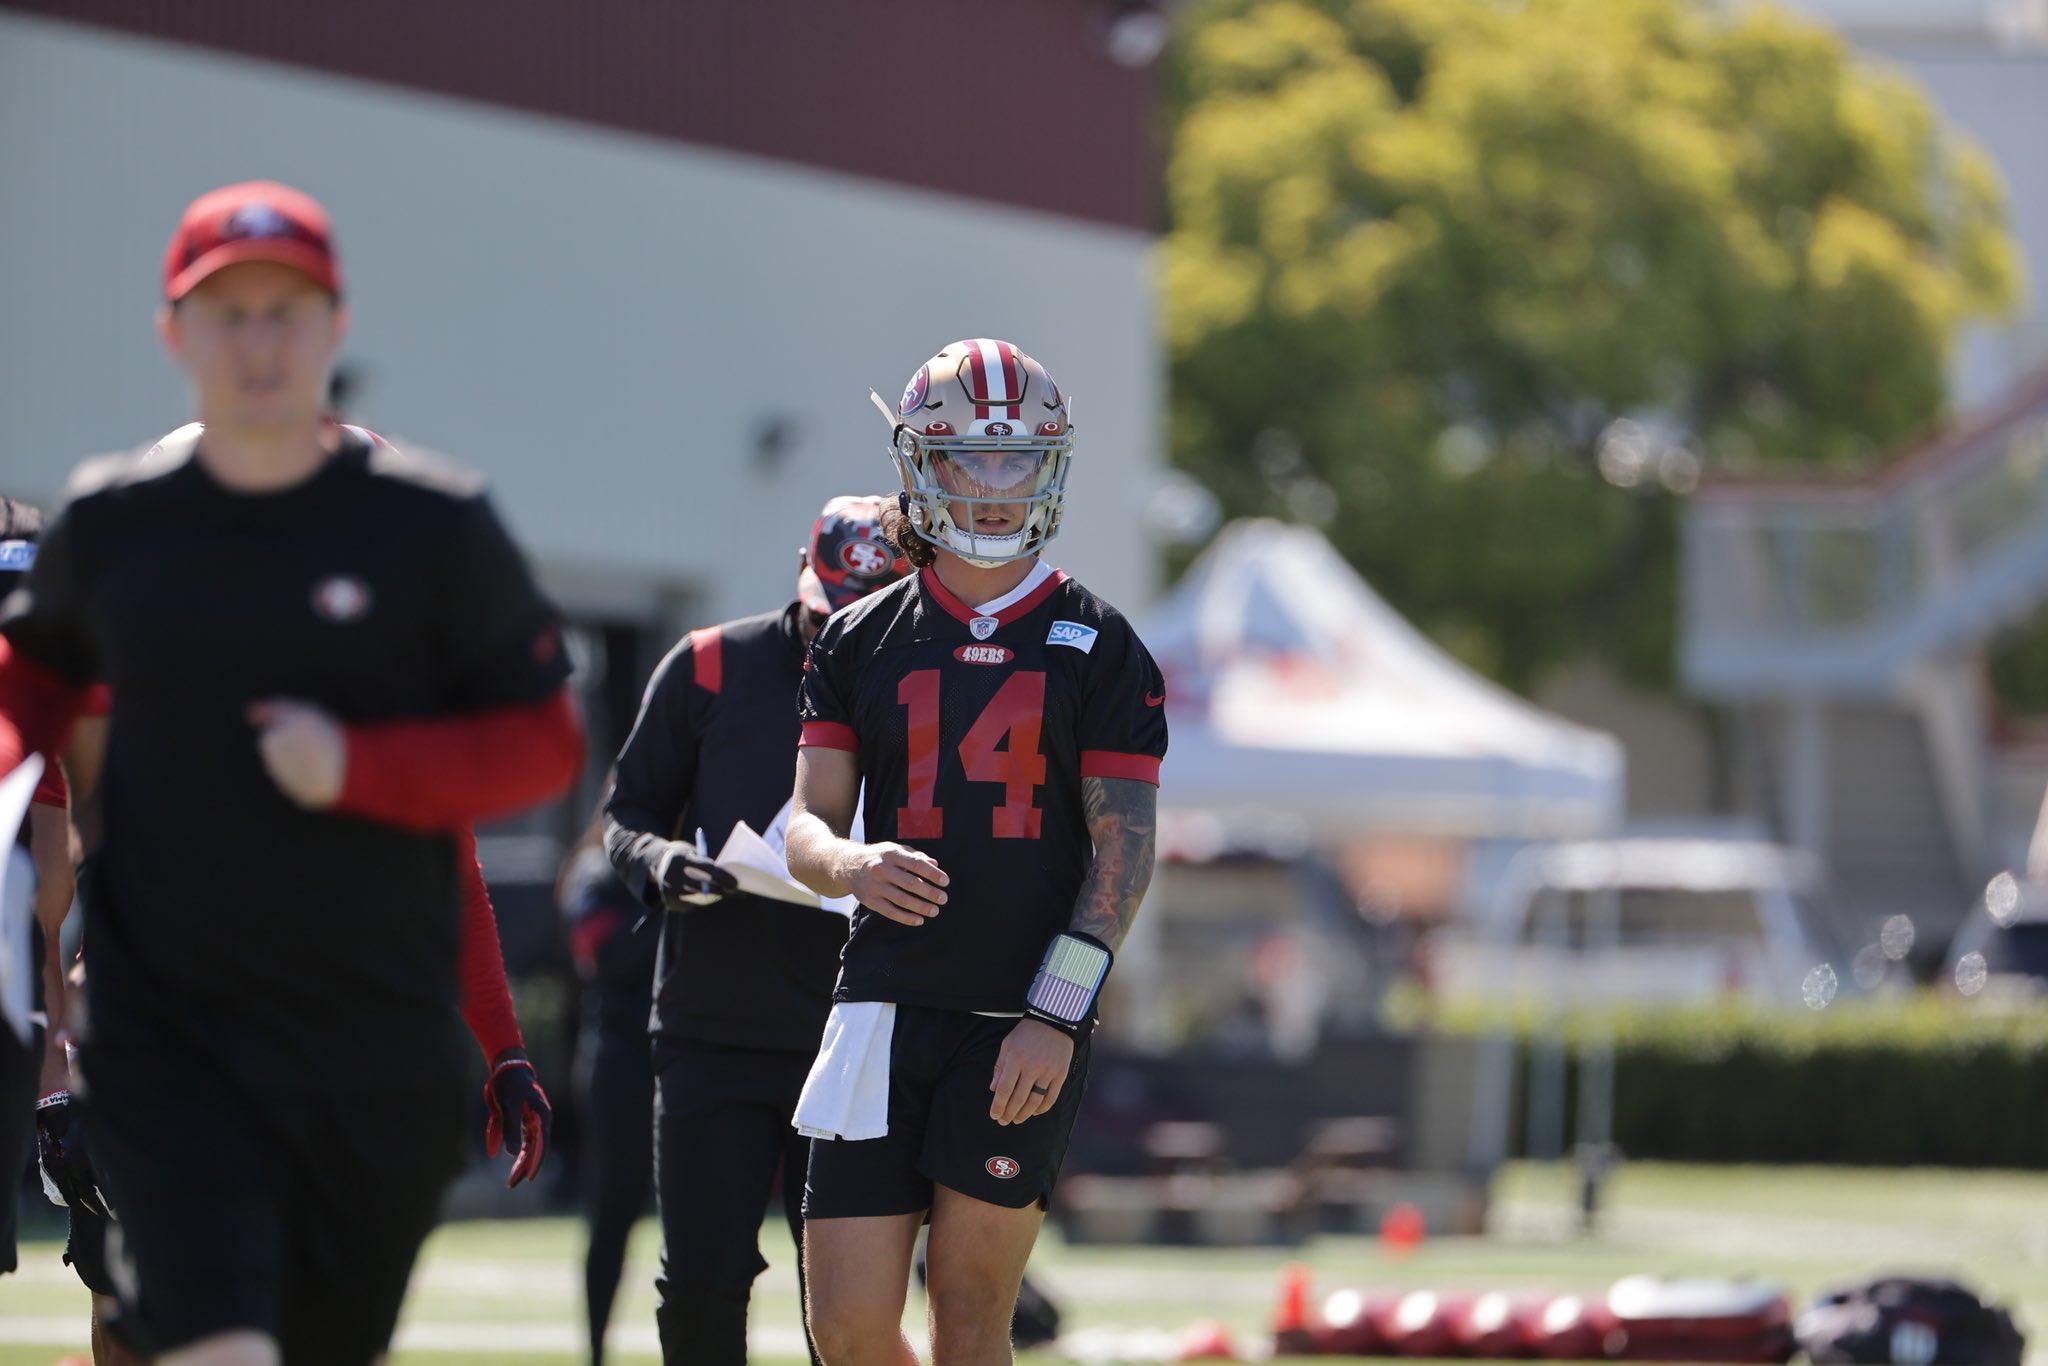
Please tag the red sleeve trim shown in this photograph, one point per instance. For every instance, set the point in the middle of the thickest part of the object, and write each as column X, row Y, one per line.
column 439, row 773
column 51, row 789
column 1107, row 763
column 829, row 735
column 36, row 711
column 707, row 651
column 480, row 963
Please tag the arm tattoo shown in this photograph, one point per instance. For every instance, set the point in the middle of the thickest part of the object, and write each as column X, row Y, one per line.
column 1123, row 822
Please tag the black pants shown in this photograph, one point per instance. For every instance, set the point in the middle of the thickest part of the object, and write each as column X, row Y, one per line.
column 20, row 1070
column 615, row 1090
column 721, row 1137
column 297, row 1215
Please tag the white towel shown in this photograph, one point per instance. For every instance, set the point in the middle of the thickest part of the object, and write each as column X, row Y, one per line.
column 847, row 1093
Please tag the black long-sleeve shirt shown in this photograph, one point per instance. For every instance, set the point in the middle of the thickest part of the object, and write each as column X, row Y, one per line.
column 284, row 945
column 715, row 744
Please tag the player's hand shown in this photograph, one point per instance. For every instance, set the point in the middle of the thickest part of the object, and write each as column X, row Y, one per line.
column 896, row 883
column 684, row 872
column 1030, row 1070
column 304, row 750
column 68, row 1177
column 521, row 1118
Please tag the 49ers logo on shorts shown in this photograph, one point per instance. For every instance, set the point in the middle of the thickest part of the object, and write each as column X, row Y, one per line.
column 1002, row 1168
column 865, row 559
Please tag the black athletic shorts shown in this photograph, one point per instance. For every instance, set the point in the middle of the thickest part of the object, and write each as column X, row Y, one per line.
column 85, row 1250
column 297, row 1215
column 940, row 1066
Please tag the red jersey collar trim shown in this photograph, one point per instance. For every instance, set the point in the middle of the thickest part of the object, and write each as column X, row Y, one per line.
column 928, row 582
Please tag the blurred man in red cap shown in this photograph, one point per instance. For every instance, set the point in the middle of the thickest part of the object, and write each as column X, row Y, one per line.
column 326, row 659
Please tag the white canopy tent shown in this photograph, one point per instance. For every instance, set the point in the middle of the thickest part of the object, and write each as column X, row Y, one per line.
column 1299, row 699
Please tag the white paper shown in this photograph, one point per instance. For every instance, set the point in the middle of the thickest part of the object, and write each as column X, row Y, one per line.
column 760, row 862
column 17, row 902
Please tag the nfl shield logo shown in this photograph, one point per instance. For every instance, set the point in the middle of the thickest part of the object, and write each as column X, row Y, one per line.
column 983, row 627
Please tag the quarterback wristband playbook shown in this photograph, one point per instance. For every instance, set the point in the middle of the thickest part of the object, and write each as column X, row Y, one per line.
column 1068, row 981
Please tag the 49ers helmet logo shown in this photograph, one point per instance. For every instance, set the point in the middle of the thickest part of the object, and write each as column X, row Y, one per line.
column 1002, row 1168
column 865, row 559
column 915, row 392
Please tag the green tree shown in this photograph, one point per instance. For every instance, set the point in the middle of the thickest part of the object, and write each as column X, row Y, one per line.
column 1482, row 283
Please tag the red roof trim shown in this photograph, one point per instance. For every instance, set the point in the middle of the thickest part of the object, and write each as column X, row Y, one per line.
column 848, row 88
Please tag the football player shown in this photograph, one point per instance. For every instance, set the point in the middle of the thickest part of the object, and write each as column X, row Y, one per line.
column 1007, row 726
column 333, row 650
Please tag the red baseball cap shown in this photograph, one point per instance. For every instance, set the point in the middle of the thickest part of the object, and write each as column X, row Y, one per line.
column 258, row 220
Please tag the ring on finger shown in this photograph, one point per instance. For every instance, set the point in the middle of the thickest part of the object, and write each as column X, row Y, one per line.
column 1040, row 1090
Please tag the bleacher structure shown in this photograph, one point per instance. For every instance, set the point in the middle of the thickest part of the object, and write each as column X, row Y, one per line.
column 1843, row 624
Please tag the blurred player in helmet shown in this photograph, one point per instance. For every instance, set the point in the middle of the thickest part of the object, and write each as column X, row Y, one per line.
column 335, row 650
column 1007, row 726
column 742, row 983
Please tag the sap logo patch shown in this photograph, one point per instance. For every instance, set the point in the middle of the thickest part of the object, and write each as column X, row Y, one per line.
column 984, row 654
column 1071, row 633
column 17, row 556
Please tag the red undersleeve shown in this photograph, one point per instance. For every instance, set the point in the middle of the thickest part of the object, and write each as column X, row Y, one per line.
column 480, row 966
column 444, row 772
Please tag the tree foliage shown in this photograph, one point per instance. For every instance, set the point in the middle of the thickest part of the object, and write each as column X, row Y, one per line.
column 1481, row 283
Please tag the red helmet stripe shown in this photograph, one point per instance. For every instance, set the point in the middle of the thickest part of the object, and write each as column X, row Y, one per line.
column 994, row 374
column 1013, row 373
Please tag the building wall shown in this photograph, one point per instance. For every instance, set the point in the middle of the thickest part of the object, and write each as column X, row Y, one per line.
column 605, row 321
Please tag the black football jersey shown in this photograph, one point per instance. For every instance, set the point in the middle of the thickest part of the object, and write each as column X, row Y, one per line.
column 714, row 745
column 292, row 946
column 973, row 733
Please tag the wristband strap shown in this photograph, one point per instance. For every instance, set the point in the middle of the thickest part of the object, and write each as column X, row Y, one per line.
column 1069, row 979
column 54, row 1098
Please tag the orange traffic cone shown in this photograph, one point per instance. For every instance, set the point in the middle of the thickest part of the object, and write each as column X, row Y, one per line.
column 1293, row 1333
column 1402, row 1230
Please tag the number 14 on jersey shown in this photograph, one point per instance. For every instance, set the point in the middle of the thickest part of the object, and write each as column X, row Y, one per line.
column 1017, row 712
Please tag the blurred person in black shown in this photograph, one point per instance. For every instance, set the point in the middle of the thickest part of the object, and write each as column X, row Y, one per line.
column 41, row 877
column 614, row 949
column 743, row 984
column 333, row 650
column 1004, row 727
column 519, row 1116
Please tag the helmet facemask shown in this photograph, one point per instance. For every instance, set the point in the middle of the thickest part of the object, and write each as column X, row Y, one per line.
column 982, row 430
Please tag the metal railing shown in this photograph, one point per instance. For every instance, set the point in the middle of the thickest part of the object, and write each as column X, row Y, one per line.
column 1787, row 571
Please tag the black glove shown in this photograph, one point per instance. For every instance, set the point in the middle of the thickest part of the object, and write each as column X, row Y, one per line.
column 68, row 1177
column 683, row 872
column 521, row 1118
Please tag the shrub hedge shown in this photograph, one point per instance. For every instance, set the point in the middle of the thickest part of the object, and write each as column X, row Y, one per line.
column 1882, row 1083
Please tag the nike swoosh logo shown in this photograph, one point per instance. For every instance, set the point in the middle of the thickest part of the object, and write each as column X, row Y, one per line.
column 1154, row 699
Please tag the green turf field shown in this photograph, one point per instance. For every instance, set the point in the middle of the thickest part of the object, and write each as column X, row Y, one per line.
column 511, row 1292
